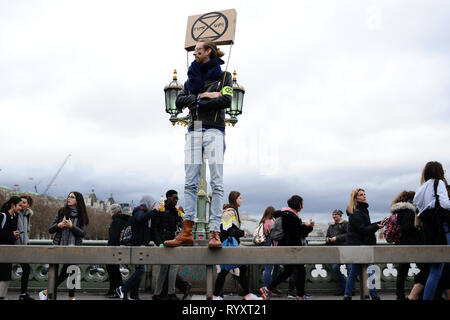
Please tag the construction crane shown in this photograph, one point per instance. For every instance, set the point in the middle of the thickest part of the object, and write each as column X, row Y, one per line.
column 54, row 177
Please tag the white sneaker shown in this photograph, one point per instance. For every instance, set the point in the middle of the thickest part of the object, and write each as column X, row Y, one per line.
column 251, row 296
column 217, row 298
column 42, row 295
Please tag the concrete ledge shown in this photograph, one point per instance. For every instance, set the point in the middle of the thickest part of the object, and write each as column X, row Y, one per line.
column 230, row 255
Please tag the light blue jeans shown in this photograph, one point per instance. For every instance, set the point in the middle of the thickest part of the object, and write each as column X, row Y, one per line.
column 208, row 144
column 435, row 273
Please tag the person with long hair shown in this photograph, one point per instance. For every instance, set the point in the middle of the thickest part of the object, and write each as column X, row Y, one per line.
column 8, row 235
column 433, row 203
column 231, row 228
column 271, row 271
column 69, row 227
column 406, row 211
column 294, row 234
column 207, row 93
column 361, row 232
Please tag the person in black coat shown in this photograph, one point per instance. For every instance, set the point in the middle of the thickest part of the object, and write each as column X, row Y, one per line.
column 295, row 232
column 120, row 220
column 141, row 236
column 406, row 214
column 164, row 226
column 8, row 235
column 337, row 236
column 361, row 232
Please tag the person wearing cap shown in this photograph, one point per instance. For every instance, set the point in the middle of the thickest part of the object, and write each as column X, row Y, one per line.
column 207, row 93
column 120, row 219
column 141, row 235
column 337, row 236
column 164, row 225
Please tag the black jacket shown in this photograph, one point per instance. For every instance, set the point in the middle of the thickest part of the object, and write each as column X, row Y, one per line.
column 77, row 233
column 295, row 231
column 338, row 230
column 118, row 223
column 360, row 230
column 10, row 225
column 164, row 224
column 406, row 213
column 211, row 111
column 7, row 237
column 141, row 226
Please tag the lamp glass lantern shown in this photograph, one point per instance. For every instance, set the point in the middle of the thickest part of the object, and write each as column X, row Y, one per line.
column 171, row 92
column 238, row 99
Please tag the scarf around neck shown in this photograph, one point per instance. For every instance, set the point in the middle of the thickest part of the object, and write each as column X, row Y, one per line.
column 199, row 72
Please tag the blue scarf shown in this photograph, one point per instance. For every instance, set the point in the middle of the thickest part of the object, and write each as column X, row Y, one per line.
column 199, row 72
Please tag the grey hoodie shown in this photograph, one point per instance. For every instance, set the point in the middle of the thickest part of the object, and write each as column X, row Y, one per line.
column 23, row 225
column 149, row 202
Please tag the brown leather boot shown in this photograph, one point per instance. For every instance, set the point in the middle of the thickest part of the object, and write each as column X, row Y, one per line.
column 184, row 238
column 214, row 239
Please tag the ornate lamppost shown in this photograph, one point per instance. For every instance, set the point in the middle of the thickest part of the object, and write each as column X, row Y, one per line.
column 171, row 91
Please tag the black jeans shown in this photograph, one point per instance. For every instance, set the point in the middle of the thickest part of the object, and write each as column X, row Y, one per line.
column 402, row 273
column 115, row 277
column 300, row 277
column 243, row 281
column 62, row 277
column 25, row 276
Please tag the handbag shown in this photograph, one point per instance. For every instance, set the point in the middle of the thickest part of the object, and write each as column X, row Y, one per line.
column 229, row 242
column 433, row 226
column 259, row 237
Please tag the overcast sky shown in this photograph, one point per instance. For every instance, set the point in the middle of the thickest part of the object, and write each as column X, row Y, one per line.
column 339, row 95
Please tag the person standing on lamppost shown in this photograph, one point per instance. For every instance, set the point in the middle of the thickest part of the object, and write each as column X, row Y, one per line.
column 207, row 93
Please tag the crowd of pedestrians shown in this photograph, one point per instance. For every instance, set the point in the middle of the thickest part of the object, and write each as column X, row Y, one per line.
column 422, row 216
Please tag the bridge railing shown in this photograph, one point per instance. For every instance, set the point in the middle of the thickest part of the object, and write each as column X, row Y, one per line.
column 201, row 255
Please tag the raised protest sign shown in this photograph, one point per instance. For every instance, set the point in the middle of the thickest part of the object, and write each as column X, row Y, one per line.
column 217, row 26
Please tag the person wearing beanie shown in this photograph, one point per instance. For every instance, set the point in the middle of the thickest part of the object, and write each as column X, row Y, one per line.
column 120, row 219
column 207, row 93
column 337, row 236
column 141, row 235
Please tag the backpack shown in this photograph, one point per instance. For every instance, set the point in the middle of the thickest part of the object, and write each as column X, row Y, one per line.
column 229, row 242
column 258, row 235
column 125, row 236
column 393, row 231
column 276, row 233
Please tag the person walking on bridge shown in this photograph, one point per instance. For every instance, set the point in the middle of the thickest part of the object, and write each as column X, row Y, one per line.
column 361, row 232
column 432, row 200
column 294, row 234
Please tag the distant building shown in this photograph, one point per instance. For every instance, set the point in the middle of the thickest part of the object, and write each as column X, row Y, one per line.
column 91, row 200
